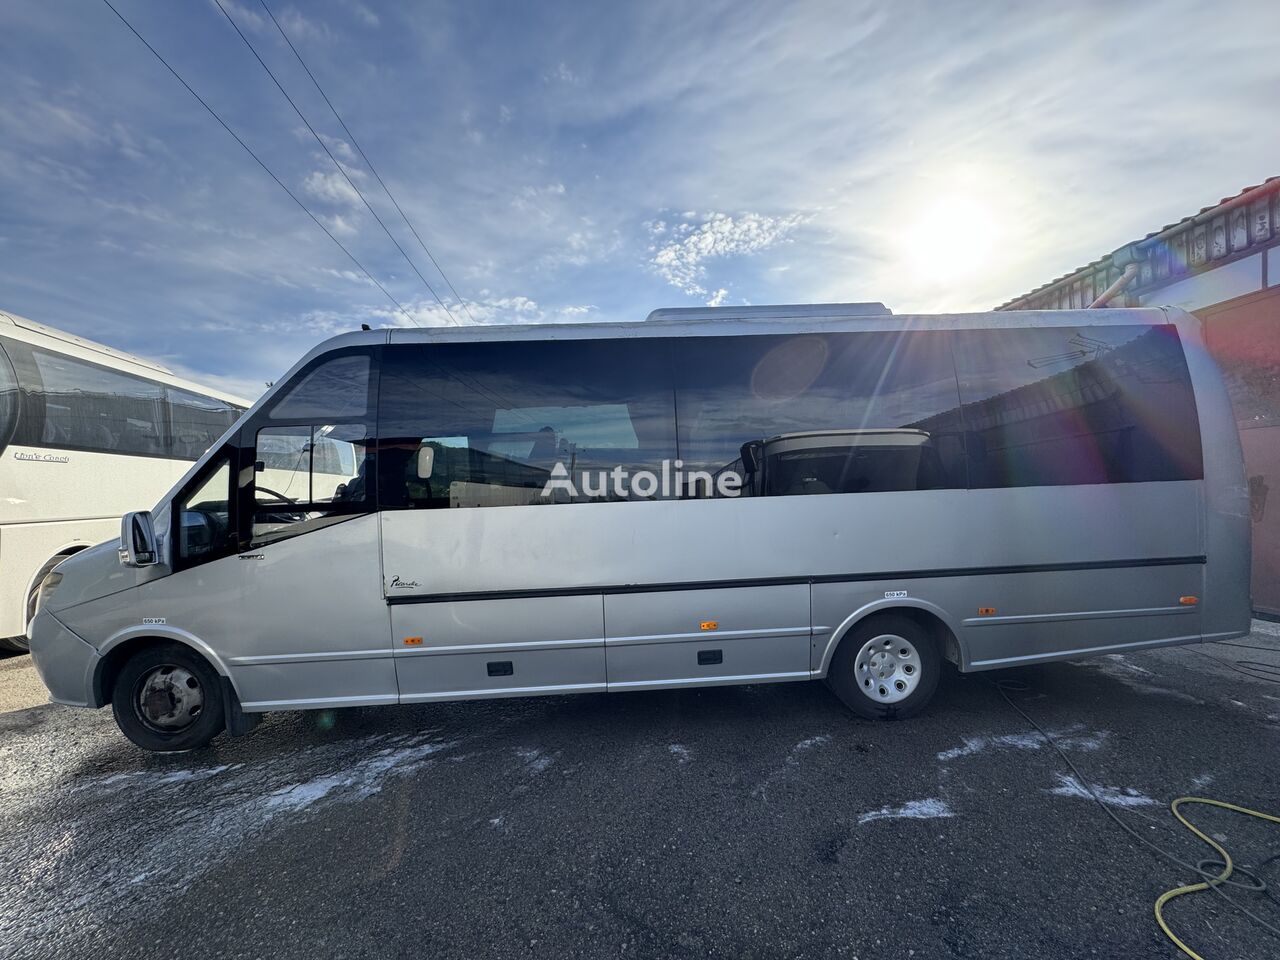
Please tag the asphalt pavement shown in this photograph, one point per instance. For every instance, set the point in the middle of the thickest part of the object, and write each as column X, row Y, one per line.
column 759, row 821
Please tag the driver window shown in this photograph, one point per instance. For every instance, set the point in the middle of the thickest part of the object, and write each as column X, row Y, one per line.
column 204, row 516
column 306, row 476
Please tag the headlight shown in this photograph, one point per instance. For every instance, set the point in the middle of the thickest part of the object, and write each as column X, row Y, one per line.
column 47, row 586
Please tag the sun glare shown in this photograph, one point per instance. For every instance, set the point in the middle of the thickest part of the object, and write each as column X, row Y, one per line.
column 949, row 235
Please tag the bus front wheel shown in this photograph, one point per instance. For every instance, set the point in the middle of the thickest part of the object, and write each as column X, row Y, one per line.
column 886, row 668
column 167, row 698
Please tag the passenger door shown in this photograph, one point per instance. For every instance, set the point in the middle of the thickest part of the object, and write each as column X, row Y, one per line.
column 496, row 534
column 312, row 621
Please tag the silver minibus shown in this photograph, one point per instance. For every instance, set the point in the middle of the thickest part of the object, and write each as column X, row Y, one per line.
column 711, row 496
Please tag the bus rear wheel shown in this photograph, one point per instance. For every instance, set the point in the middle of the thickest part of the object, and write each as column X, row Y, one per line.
column 886, row 668
column 168, row 698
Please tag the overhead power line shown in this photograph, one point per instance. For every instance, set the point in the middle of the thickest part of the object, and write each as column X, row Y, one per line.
column 249, row 150
column 369, row 163
column 341, row 169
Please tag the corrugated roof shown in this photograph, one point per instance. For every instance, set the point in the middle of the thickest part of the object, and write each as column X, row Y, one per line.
column 1102, row 263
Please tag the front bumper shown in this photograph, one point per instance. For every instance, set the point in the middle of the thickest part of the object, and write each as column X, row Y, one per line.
column 65, row 663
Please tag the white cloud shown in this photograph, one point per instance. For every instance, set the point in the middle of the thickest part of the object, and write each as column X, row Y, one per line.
column 362, row 13
column 682, row 262
column 340, row 225
column 331, row 187
column 562, row 74
column 483, row 310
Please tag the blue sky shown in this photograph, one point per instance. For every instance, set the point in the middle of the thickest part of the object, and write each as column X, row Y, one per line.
column 573, row 161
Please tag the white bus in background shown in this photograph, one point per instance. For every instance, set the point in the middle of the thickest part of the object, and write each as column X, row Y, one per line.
column 87, row 433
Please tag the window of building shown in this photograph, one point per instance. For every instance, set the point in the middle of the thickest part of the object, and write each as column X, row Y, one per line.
column 820, row 413
column 536, row 422
column 1076, row 405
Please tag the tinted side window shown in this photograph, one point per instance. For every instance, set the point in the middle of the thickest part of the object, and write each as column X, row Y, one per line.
column 312, row 451
column 821, row 413
column 8, row 398
column 203, row 516
column 336, row 388
column 1068, row 405
column 307, row 476
column 490, row 424
column 196, row 422
column 88, row 407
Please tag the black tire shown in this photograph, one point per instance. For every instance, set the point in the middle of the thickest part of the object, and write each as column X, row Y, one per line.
column 14, row 644
column 161, row 678
column 868, row 691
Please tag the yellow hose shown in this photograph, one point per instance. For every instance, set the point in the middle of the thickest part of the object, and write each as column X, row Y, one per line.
column 1225, row 857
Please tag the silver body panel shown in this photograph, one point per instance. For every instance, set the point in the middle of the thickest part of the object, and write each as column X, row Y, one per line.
column 506, row 601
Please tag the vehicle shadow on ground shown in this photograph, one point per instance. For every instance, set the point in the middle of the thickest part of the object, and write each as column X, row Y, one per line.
column 964, row 703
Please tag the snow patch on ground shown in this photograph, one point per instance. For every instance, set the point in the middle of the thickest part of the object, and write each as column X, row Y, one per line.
column 804, row 746
column 929, row 809
column 1069, row 786
column 1074, row 738
column 155, row 834
column 1124, row 672
column 793, row 758
column 534, row 759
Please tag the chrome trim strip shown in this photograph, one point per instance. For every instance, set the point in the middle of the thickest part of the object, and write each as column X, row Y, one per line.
column 703, row 681
column 319, row 703
column 895, row 575
column 1083, row 652
column 502, row 692
column 1224, row 635
column 426, row 651
column 1078, row 615
column 707, row 635
column 308, row 657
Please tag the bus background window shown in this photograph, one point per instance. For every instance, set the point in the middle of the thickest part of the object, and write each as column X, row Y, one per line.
column 1064, row 405
column 825, row 413
column 8, row 398
column 196, row 422
column 501, row 417
column 88, row 407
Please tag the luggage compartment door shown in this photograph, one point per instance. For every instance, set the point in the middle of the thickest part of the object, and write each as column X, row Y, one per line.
column 684, row 638
column 522, row 646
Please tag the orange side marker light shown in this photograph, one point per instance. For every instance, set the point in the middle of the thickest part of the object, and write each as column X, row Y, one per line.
column 1188, row 601
column 986, row 611
column 709, row 625
column 413, row 641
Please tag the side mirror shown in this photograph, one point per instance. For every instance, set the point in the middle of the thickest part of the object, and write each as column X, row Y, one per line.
column 138, row 540
column 751, row 452
column 426, row 462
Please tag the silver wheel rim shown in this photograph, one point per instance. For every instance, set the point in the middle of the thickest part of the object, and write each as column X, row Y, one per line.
column 887, row 668
column 169, row 698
